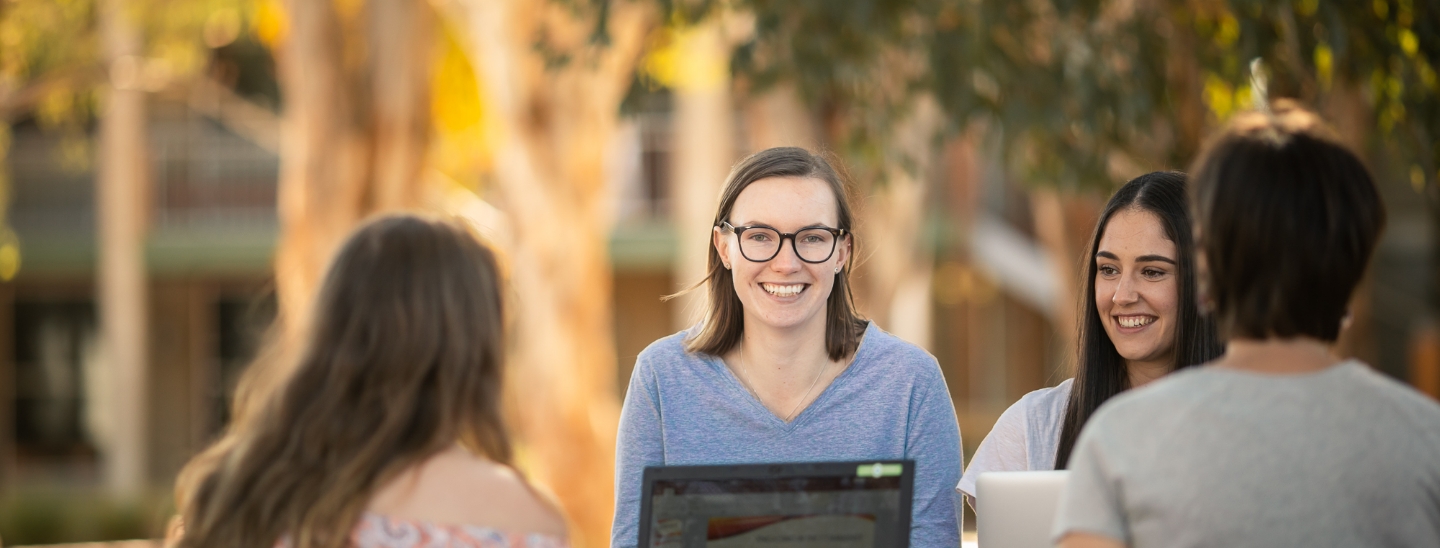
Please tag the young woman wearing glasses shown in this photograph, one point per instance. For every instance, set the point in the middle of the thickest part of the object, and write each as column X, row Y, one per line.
column 781, row 368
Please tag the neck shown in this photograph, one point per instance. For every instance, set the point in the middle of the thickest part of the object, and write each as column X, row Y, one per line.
column 1141, row 373
column 1278, row 356
column 784, row 368
column 779, row 354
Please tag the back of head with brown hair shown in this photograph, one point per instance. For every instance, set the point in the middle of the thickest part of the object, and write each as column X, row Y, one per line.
column 1287, row 218
column 402, row 358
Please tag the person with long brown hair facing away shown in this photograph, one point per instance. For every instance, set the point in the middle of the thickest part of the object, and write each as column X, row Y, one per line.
column 1138, row 322
column 1280, row 442
column 782, row 368
column 387, row 431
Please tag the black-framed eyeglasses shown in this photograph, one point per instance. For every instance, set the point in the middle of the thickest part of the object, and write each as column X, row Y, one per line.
column 762, row 243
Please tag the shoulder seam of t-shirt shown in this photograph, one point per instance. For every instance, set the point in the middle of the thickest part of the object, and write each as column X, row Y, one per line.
column 884, row 343
column 1404, row 399
column 665, row 349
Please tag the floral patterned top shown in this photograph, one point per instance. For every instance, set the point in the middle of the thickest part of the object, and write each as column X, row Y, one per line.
column 378, row 531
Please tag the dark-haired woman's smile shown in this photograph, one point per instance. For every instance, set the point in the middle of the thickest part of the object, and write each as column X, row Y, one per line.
column 1135, row 287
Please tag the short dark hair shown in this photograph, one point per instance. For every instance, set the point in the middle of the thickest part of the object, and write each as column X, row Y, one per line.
column 724, row 320
column 1286, row 220
column 1100, row 371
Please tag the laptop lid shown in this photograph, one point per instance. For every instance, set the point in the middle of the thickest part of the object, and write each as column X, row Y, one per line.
column 788, row 505
column 1017, row 509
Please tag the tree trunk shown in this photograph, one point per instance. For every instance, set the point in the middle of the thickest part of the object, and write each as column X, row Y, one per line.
column 1064, row 223
column 354, row 132
column 898, row 258
column 122, row 199
column 553, row 122
column 777, row 118
column 704, row 137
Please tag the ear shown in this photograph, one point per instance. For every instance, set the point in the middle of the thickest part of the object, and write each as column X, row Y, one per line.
column 722, row 245
column 842, row 255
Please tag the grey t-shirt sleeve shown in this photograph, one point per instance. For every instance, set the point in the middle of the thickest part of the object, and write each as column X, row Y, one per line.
column 1091, row 502
column 638, row 444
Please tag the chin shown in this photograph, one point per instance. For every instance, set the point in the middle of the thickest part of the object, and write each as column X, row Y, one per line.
column 1140, row 356
column 785, row 319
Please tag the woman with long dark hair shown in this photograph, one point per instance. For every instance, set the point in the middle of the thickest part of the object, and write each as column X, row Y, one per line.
column 386, row 430
column 1139, row 321
column 1282, row 441
column 781, row 368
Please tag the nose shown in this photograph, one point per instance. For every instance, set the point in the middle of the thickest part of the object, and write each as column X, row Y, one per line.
column 788, row 259
column 1125, row 292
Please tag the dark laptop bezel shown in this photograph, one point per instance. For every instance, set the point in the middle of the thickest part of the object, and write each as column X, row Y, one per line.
column 768, row 471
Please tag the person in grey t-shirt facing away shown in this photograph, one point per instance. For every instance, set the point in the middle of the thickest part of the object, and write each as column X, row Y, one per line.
column 1278, row 442
column 1139, row 321
column 781, row 368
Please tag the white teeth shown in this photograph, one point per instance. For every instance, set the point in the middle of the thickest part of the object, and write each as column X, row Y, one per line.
column 783, row 290
column 1135, row 321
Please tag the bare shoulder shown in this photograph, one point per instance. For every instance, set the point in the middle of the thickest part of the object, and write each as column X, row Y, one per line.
column 458, row 488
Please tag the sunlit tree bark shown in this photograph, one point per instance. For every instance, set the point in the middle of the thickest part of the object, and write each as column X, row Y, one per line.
column 553, row 96
column 354, row 132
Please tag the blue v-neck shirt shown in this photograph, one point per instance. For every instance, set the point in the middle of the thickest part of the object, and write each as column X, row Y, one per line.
column 890, row 403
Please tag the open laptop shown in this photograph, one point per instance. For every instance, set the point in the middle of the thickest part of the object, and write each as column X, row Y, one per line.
column 1017, row 509
column 790, row 505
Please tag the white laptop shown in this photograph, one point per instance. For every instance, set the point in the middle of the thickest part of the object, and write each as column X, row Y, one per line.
column 1017, row 509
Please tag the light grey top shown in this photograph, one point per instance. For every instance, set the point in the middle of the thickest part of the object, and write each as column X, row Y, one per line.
column 1024, row 437
column 1220, row 457
column 890, row 403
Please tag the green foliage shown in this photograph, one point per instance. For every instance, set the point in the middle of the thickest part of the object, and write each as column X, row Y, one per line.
column 52, row 54
column 48, row 44
column 1069, row 86
column 1062, row 83
column 53, row 66
column 858, row 64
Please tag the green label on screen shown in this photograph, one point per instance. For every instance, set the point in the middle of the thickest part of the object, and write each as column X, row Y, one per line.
column 879, row 470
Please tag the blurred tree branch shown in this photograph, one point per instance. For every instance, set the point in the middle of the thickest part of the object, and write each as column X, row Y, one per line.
column 20, row 100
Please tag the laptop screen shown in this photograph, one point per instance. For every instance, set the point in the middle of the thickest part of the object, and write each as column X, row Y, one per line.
column 835, row 505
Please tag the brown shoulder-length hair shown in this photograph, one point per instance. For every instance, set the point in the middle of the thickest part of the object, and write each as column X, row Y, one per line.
column 402, row 357
column 724, row 319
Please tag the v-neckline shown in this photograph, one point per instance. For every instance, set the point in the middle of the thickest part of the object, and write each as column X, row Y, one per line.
column 775, row 421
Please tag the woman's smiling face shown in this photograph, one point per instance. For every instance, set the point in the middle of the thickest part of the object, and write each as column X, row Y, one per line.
column 1136, row 287
column 783, row 292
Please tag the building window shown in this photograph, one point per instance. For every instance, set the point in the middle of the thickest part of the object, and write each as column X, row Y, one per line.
column 55, row 370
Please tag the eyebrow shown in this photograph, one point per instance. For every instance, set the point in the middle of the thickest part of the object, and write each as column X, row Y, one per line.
column 760, row 224
column 1140, row 259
